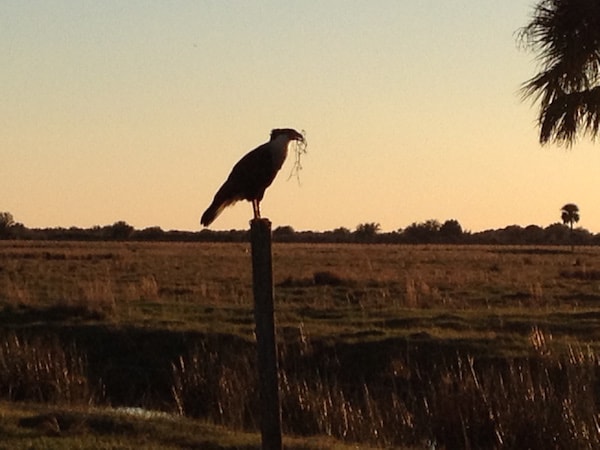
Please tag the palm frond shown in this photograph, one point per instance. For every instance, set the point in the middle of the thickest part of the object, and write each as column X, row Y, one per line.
column 568, row 114
column 565, row 34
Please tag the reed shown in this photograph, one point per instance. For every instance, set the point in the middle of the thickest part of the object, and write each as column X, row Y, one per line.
column 42, row 371
column 541, row 401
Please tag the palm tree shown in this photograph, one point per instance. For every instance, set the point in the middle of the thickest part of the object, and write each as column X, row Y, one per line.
column 565, row 34
column 570, row 215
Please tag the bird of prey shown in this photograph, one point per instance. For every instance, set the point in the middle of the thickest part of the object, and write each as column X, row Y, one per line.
column 253, row 174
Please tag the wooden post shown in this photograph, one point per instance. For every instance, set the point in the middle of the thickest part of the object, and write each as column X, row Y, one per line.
column 262, row 280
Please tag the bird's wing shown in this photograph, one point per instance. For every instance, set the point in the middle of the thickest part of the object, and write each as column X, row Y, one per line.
column 253, row 173
column 247, row 181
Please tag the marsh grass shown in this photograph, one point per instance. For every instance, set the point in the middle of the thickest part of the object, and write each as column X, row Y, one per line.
column 544, row 400
column 384, row 398
column 42, row 371
column 431, row 346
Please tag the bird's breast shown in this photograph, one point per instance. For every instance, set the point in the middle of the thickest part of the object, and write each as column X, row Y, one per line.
column 278, row 154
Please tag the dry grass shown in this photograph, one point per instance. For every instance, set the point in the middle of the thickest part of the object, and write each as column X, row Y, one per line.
column 30, row 426
column 118, row 279
column 42, row 370
column 545, row 400
column 459, row 347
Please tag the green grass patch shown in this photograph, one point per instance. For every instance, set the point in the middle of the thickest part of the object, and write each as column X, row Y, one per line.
column 25, row 426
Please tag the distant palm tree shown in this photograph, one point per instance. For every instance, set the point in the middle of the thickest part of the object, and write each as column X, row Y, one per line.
column 570, row 215
column 566, row 36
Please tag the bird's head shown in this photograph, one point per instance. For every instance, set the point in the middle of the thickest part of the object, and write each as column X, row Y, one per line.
column 289, row 133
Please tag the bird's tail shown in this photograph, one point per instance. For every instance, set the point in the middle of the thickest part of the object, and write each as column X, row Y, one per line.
column 211, row 213
column 220, row 202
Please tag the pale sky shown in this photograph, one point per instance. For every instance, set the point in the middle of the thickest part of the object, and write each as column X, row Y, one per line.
column 137, row 110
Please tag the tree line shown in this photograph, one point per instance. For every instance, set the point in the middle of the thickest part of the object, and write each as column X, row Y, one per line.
column 427, row 232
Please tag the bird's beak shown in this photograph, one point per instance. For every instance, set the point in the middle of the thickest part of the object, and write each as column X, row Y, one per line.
column 299, row 137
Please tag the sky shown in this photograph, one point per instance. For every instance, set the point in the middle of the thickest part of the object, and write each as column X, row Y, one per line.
column 138, row 110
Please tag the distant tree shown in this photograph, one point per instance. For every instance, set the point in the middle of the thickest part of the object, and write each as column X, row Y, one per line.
column 581, row 236
column 149, row 234
column 423, row 232
column 556, row 233
column 20, row 231
column 120, row 230
column 7, row 221
column 367, row 231
column 451, row 231
column 340, row 234
column 533, row 234
column 283, row 233
column 570, row 216
column 343, row 231
column 565, row 34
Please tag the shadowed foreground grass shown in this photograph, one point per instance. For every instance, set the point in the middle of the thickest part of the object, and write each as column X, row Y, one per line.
column 33, row 426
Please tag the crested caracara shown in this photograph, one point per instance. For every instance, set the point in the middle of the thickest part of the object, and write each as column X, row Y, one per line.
column 252, row 175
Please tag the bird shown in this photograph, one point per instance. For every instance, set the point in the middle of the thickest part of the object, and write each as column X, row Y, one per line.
column 253, row 174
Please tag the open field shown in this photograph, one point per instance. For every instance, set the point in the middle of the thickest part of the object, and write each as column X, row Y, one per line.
column 382, row 344
column 327, row 291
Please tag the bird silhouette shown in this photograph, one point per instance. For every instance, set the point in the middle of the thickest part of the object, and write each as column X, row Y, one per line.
column 252, row 175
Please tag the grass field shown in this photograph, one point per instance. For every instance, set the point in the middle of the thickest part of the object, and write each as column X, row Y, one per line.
column 34, row 426
column 454, row 346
